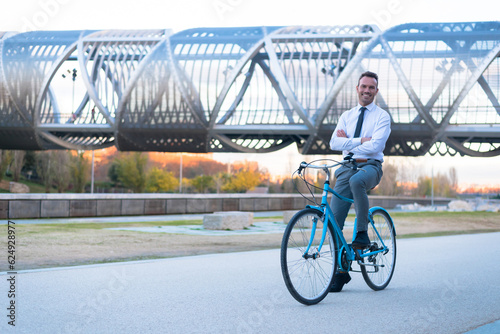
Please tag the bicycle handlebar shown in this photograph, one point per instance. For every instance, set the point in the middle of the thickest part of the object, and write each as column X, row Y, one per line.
column 351, row 163
column 304, row 165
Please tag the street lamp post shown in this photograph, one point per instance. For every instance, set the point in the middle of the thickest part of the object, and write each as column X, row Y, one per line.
column 92, row 175
column 432, row 186
column 180, row 176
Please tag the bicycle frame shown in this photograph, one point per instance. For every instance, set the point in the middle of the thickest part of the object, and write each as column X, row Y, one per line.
column 330, row 219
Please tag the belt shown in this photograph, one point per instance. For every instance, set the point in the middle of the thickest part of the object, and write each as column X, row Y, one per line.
column 366, row 160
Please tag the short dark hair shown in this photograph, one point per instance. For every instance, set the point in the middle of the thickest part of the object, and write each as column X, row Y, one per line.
column 370, row 75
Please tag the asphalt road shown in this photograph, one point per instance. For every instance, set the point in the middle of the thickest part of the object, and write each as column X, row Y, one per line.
column 441, row 285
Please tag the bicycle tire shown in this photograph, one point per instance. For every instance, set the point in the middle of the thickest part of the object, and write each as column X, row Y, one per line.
column 378, row 278
column 308, row 279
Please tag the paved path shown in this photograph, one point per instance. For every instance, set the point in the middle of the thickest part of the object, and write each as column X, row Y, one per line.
column 441, row 285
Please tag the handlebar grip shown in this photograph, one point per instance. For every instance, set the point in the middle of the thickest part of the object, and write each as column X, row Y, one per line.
column 303, row 165
column 348, row 157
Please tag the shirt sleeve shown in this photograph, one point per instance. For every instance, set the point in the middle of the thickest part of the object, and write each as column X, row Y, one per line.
column 342, row 143
column 380, row 135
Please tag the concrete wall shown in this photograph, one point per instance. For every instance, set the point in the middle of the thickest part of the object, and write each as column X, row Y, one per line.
column 13, row 206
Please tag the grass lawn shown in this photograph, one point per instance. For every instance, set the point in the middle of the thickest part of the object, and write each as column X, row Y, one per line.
column 53, row 245
column 34, row 187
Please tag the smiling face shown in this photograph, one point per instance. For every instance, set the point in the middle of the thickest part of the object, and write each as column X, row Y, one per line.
column 367, row 90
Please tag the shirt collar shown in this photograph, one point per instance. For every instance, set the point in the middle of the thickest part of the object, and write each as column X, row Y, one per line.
column 369, row 107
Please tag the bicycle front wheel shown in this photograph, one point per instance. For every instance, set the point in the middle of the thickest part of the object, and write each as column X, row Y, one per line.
column 308, row 277
column 379, row 268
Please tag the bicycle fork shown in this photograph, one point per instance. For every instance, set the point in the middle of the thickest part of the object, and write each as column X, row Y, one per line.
column 316, row 254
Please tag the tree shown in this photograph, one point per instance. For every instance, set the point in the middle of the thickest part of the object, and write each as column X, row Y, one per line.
column 160, row 181
column 79, row 172
column 424, row 186
column 5, row 160
column 192, row 165
column 61, row 170
column 29, row 160
column 17, row 164
column 220, row 179
column 389, row 183
column 288, row 185
column 242, row 181
column 45, row 168
column 202, row 183
column 113, row 175
column 131, row 171
column 443, row 186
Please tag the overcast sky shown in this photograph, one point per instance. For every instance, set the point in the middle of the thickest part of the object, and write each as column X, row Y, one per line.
column 182, row 14
column 177, row 15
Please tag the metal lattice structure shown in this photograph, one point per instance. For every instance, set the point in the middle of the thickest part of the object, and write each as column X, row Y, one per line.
column 252, row 89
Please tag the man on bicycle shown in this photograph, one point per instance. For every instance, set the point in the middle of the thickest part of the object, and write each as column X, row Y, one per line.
column 361, row 134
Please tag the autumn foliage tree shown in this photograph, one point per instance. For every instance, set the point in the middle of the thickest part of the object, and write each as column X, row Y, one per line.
column 192, row 164
column 79, row 172
column 242, row 181
column 220, row 179
column 159, row 181
column 202, row 183
column 131, row 171
column 443, row 185
column 393, row 183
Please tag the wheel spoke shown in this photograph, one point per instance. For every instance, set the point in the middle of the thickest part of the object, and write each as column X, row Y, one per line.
column 379, row 277
column 307, row 279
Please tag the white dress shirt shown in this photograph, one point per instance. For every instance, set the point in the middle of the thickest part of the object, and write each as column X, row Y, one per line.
column 376, row 124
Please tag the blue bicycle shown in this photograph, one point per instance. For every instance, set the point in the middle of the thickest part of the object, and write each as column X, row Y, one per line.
column 313, row 248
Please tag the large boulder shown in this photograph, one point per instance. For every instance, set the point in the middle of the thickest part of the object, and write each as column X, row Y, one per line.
column 459, row 205
column 228, row 220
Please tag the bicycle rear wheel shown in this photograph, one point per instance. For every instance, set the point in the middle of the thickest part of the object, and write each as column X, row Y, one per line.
column 379, row 268
column 308, row 277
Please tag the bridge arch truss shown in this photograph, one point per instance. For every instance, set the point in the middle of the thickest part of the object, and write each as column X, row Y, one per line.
column 249, row 89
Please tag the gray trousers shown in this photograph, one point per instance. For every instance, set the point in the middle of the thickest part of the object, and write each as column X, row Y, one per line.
column 354, row 184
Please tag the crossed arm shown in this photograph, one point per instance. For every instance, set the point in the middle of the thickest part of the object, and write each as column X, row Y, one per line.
column 365, row 145
column 341, row 133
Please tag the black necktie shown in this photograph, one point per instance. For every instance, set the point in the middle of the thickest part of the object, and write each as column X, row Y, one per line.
column 360, row 122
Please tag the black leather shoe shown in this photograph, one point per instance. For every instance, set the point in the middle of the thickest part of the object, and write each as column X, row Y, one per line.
column 362, row 241
column 339, row 281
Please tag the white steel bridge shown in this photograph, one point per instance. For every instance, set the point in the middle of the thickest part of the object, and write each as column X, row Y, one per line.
column 249, row 89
